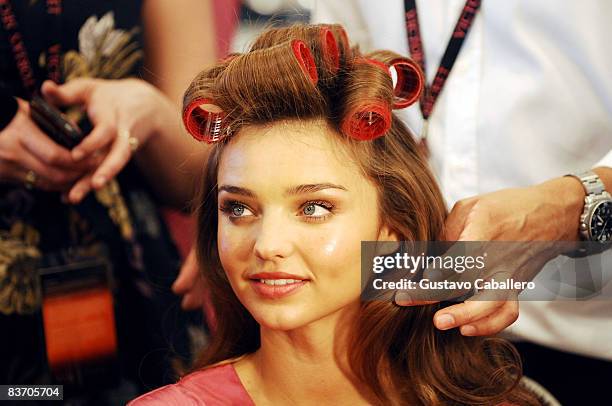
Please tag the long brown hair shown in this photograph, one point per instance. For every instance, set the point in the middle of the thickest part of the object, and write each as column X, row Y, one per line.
column 397, row 351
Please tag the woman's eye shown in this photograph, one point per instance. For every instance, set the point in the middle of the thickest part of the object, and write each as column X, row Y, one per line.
column 313, row 209
column 237, row 210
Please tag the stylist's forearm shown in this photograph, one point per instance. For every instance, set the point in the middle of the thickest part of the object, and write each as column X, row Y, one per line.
column 172, row 162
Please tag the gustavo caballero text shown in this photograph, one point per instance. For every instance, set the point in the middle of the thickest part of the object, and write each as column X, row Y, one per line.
column 478, row 284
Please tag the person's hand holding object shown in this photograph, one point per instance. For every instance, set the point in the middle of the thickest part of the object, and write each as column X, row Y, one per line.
column 125, row 113
column 29, row 156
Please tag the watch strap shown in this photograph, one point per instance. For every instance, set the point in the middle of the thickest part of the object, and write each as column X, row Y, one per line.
column 590, row 181
column 594, row 188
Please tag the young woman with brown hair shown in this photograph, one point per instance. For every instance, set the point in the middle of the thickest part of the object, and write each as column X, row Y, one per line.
column 308, row 161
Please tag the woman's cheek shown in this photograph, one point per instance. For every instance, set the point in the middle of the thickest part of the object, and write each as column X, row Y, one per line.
column 338, row 248
column 329, row 247
column 233, row 244
column 343, row 238
column 335, row 249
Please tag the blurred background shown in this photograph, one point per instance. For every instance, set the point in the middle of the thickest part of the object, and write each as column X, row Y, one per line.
column 255, row 15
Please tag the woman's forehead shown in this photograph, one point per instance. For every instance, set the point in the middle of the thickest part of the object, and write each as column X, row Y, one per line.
column 292, row 151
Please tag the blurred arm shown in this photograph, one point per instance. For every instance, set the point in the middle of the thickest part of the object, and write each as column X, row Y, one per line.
column 179, row 43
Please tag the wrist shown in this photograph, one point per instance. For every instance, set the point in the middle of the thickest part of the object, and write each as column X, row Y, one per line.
column 152, row 120
column 568, row 194
column 167, row 118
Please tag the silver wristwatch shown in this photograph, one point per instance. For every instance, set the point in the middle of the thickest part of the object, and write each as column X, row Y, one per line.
column 596, row 217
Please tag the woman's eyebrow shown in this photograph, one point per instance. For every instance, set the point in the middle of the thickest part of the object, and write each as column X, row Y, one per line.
column 311, row 188
column 236, row 190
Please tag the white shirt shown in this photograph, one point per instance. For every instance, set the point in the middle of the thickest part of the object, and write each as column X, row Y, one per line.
column 529, row 99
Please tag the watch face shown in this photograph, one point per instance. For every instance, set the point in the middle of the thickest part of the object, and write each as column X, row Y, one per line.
column 601, row 222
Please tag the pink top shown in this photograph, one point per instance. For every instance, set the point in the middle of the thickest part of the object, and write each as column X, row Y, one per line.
column 211, row 387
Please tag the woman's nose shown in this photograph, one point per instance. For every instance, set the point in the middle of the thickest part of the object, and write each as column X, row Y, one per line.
column 273, row 239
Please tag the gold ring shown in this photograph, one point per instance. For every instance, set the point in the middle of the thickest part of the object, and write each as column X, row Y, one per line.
column 30, row 179
column 132, row 141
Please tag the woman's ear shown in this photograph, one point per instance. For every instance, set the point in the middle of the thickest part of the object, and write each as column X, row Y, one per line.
column 386, row 234
column 388, row 248
column 387, row 243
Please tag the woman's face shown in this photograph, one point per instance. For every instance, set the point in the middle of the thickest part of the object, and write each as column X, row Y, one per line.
column 293, row 210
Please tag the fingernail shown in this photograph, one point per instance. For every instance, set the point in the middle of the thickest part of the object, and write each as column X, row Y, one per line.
column 99, row 180
column 444, row 321
column 468, row 330
column 77, row 154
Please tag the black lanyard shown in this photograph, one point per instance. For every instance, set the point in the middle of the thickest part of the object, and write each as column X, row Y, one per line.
column 20, row 54
column 466, row 18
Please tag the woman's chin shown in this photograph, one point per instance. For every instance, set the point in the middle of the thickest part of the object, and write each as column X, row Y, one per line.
column 282, row 319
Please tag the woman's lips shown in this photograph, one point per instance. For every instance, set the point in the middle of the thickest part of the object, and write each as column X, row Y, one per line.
column 275, row 285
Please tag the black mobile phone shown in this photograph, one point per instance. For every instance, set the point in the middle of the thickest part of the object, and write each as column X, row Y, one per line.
column 52, row 121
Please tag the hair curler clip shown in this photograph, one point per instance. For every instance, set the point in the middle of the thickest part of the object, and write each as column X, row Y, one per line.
column 409, row 82
column 369, row 117
column 204, row 121
column 368, row 122
column 305, row 59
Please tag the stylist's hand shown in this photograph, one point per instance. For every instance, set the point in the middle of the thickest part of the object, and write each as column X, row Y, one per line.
column 126, row 115
column 28, row 156
column 545, row 212
column 189, row 283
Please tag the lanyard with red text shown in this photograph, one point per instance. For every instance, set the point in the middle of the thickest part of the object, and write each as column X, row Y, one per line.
column 15, row 39
column 431, row 93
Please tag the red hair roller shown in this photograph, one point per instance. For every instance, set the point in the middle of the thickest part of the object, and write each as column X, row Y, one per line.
column 367, row 122
column 376, row 63
column 204, row 121
column 345, row 42
column 330, row 49
column 305, row 59
column 410, row 82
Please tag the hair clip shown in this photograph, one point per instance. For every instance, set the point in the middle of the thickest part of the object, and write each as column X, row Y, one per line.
column 329, row 46
column 204, row 121
column 305, row 59
column 409, row 82
column 368, row 122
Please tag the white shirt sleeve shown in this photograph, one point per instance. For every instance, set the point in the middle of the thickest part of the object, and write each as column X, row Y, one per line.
column 605, row 161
